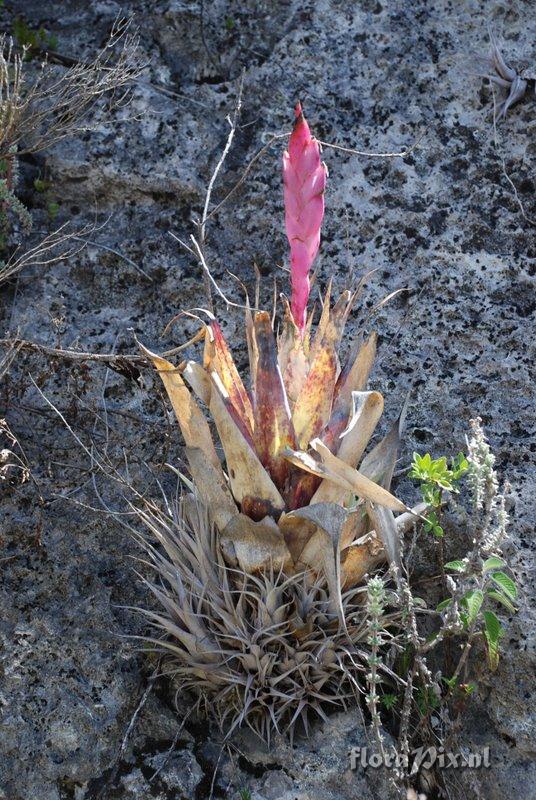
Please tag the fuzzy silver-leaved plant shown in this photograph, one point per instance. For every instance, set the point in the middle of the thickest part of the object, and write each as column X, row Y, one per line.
column 260, row 650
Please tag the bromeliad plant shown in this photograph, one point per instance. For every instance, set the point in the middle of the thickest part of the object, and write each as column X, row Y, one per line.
column 287, row 500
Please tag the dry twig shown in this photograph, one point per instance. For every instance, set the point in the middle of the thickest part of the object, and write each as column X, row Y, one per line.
column 56, row 246
column 200, row 238
column 37, row 115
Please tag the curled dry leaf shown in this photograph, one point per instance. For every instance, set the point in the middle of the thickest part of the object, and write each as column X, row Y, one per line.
column 342, row 403
column 385, row 526
column 335, row 470
column 255, row 546
column 298, row 528
column 355, row 373
column 356, row 526
column 379, row 464
column 367, row 409
column 368, row 552
column 321, row 547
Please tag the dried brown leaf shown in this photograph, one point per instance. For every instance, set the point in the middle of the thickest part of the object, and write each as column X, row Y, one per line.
column 251, row 485
column 385, row 526
column 212, row 487
column 359, row 557
column 193, row 424
column 355, row 374
column 379, row 464
column 335, row 470
column 367, row 410
column 218, row 358
column 255, row 546
column 321, row 550
column 273, row 430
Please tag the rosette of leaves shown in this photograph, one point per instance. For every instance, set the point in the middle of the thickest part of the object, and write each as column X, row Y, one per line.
column 263, row 649
column 295, row 502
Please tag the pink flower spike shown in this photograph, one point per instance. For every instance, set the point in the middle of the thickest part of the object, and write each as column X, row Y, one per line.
column 304, row 178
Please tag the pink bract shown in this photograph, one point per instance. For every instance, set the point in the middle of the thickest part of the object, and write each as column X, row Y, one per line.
column 304, row 178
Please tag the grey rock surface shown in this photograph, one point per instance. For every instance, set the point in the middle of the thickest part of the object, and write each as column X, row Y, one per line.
column 374, row 75
column 318, row 767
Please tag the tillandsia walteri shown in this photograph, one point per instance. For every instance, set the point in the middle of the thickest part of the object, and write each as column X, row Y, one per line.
column 290, row 494
column 264, row 649
column 288, row 498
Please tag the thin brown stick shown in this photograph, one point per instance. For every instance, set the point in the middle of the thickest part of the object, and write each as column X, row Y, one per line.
column 73, row 355
column 200, row 239
column 16, row 344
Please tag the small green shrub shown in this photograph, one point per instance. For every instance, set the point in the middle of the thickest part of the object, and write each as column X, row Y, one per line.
column 32, row 40
column 478, row 585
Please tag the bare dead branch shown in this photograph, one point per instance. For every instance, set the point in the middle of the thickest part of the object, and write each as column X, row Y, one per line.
column 56, row 246
column 72, row 355
column 209, row 279
column 233, row 123
column 12, row 348
column 238, row 184
column 199, row 239
column 367, row 154
column 38, row 114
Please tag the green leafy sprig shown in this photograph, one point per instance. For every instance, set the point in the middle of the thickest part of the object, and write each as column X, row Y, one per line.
column 437, row 477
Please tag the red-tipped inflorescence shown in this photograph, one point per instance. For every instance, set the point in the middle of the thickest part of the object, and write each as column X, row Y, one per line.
column 304, row 177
